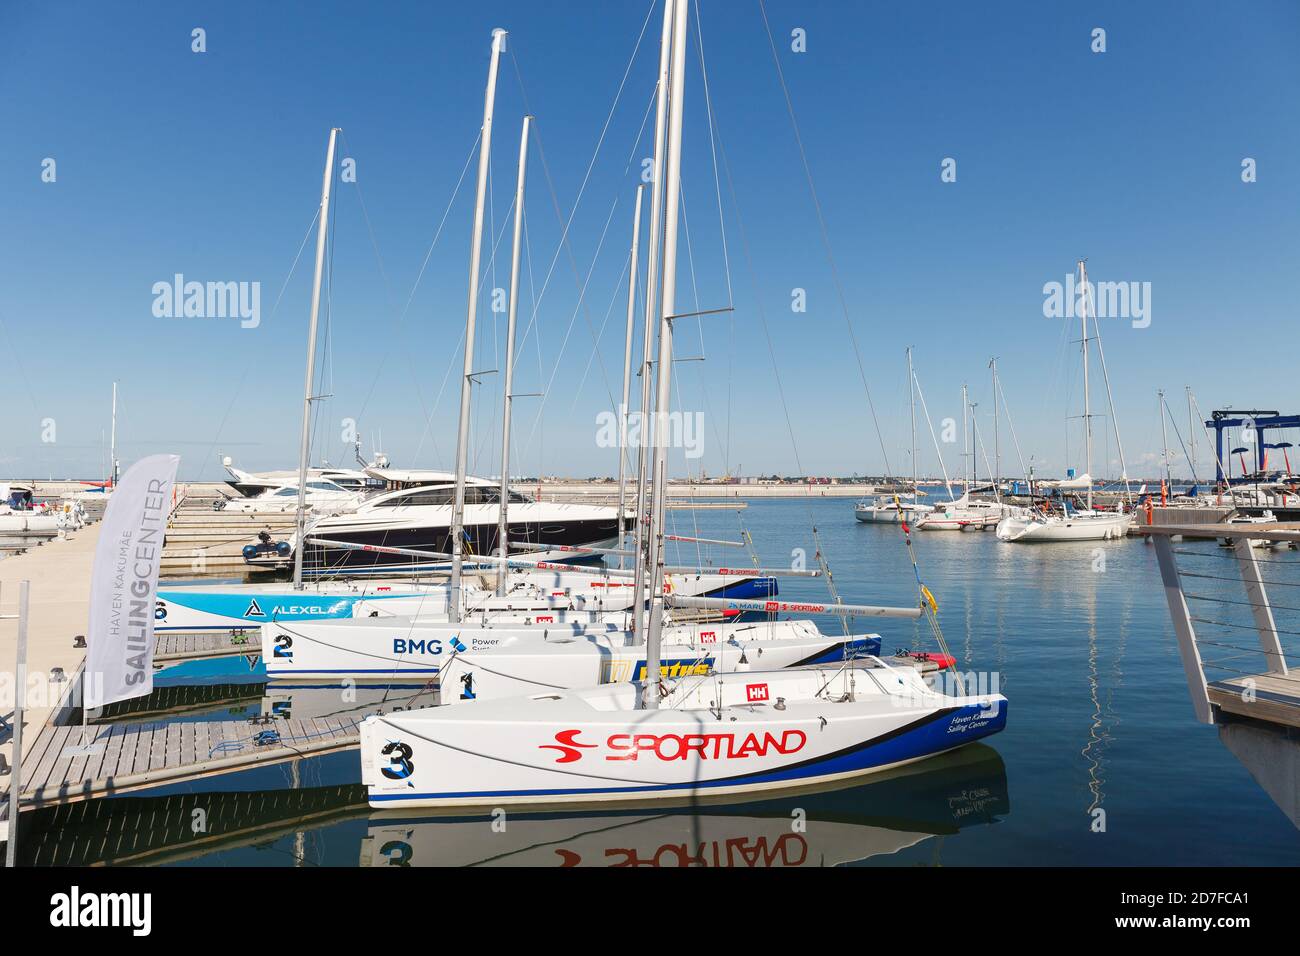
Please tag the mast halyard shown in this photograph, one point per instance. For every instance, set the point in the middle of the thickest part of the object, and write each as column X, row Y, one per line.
column 457, row 528
column 503, row 547
column 304, row 447
column 633, row 272
column 668, row 296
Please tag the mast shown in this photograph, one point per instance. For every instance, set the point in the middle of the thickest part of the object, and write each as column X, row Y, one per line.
column 112, row 444
column 304, row 447
column 627, row 369
column 466, row 382
column 651, row 291
column 668, row 298
column 503, row 547
column 911, row 398
column 1191, row 433
column 1087, row 408
column 1164, row 440
column 965, row 442
column 997, row 454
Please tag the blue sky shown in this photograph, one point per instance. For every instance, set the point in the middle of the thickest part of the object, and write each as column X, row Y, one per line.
column 170, row 161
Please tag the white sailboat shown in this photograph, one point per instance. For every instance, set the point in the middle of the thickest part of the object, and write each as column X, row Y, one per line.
column 668, row 737
column 1073, row 524
column 411, row 525
column 964, row 513
column 893, row 509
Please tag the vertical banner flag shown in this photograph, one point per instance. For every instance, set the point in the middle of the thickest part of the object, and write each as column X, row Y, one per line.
column 124, row 585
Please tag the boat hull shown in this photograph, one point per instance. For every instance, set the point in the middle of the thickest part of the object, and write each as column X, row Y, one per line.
column 1101, row 527
column 595, row 747
column 240, row 607
column 522, row 659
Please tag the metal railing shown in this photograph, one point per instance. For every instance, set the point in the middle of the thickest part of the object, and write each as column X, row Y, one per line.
column 1225, row 623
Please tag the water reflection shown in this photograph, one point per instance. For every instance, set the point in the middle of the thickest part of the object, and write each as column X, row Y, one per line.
column 1272, row 755
column 827, row 828
column 331, row 825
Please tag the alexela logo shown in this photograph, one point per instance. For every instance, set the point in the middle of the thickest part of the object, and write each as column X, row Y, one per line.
column 76, row 909
column 208, row 300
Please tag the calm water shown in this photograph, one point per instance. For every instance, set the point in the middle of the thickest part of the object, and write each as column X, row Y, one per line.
column 1099, row 720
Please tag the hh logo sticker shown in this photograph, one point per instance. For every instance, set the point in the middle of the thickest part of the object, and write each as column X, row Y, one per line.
column 709, row 637
column 755, row 692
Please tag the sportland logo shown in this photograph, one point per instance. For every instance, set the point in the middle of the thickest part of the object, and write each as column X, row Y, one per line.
column 1103, row 300
column 669, row 747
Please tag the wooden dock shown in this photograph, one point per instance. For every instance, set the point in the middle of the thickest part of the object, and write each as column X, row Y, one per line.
column 196, row 645
column 1274, row 698
column 70, row 764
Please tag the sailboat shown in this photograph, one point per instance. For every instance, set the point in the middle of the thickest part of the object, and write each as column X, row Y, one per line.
column 1073, row 524
column 964, row 513
column 497, row 642
column 669, row 736
column 893, row 509
column 426, row 520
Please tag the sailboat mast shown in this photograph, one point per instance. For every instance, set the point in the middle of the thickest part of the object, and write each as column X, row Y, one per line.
column 304, row 447
column 668, row 298
column 1191, row 433
column 1087, row 408
column 633, row 271
column 503, row 548
column 651, row 317
column 112, row 444
column 911, row 398
column 466, row 382
column 1164, row 440
column 965, row 442
column 997, row 453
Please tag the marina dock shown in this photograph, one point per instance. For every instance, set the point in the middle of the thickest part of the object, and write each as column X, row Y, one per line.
column 1258, row 682
column 69, row 764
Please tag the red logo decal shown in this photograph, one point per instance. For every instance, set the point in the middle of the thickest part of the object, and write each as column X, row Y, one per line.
column 755, row 692
column 772, row 606
column 709, row 637
column 546, row 619
column 566, row 745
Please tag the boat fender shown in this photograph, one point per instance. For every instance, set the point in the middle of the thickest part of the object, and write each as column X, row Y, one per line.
column 250, row 551
column 282, row 548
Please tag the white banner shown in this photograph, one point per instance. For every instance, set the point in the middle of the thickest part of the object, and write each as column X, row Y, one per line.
column 124, row 586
